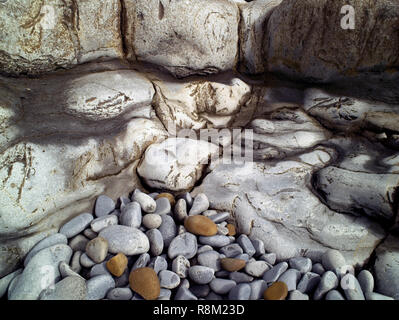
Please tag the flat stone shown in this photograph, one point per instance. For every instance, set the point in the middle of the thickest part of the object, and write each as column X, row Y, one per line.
column 145, row 282
column 329, row 281
column 69, row 288
column 308, row 282
column 242, row 291
column 231, row 264
column 209, row 259
column 152, row 221
column 76, row 225
column 98, row 286
column 184, row 294
column 180, row 266
column 163, row 206
column 334, row 295
column 117, row 264
column 256, row 268
column 220, row 217
column 258, row 287
column 127, row 240
column 231, row 250
column 41, row 272
column 351, row 288
column 269, row 258
column 301, row 264
column 297, row 295
column 168, row 279
column 97, row 249
column 5, row 281
column 200, row 290
column 142, row 261
column 147, row 203
column 222, row 286
column 158, row 264
column 200, row 226
column 131, row 215
column 120, row 294
column 104, row 205
column 168, row 229
column 200, row 204
column 184, row 244
column 273, row 274
column 366, row 281
column 201, row 274
column 290, row 278
column 78, row 243
column 240, row 277
column 246, row 245
column 277, row 291
column 50, row 241
column 215, row 241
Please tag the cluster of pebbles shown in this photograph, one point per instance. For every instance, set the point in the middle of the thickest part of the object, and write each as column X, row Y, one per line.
column 156, row 246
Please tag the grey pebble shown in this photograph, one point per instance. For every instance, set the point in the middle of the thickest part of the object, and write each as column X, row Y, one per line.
column 90, row 234
column 274, row 273
column 333, row 260
column 222, row 274
column 200, row 204
column 99, row 269
column 131, row 215
column 334, row 295
column 180, row 266
column 187, row 197
column 78, row 243
column 76, row 225
column 366, row 281
column 220, row 217
column 168, row 279
column 101, row 223
column 142, row 261
column 147, row 203
column 152, row 221
column 204, row 248
column 165, row 294
column 200, row 290
column 246, row 245
column 98, row 287
column 258, row 287
column 49, row 241
column 163, row 206
column 376, row 296
column 214, row 241
column 269, row 258
column 259, row 247
column 351, row 288
column 301, row 264
column 75, row 261
column 241, row 291
column 120, row 294
column 240, row 277
column 180, row 210
column 168, row 229
column 97, row 249
column 290, row 278
column 156, row 241
column 158, row 264
column 5, row 281
column 201, row 274
column 318, row 268
column 69, row 288
column 222, row 286
column 242, row 256
column 184, row 294
column 85, row 261
column 329, row 281
column 209, row 259
column 231, row 250
column 297, row 295
column 308, row 282
column 184, row 244
column 256, row 268
column 104, row 205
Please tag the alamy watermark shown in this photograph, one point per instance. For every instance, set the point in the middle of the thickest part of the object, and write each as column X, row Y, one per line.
column 348, row 21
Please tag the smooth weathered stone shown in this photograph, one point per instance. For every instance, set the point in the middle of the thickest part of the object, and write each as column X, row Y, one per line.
column 120, row 294
column 308, row 282
column 334, row 295
column 366, row 281
column 142, row 261
column 215, row 241
column 318, row 268
column 301, row 264
column 129, row 241
column 97, row 249
column 256, row 268
column 200, row 204
column 328, row 281
column 69, row 288
column 168, row 229
column 158, row 264
column 78, row 243
column 184, row 293
column 131, row 215
column 184, row 244
column 99, row 269
column 376, row 296
column 220, row 217
column 89, row 233
column 104, row 221
column 246, row 245
column 231, row 250
column 5, row 281
column 152, row 221
column 269, row 258
column 240, row 277
column 163, row 206
column 333, row 260
column 168, row 279
column 201, row 274
column 85, row 261
column 222, row 286
column 117, row 264
column 180, row 210
column 50, row 241
column 277, row 291
column 98, row 286
column 67, row 271
column 232, row 264
column 200, row 226
column 104, row 205
column 351, row 288
column 151, row 24
column 76, row 225
column 297, row 295
column 145, row 282
column 274, row 273
column 290, row 278
column 242, row 291
column 258, row 287
column 41, row 271
column 75, row 261
column 156, row 241
column 180, row 266
column 175, row 164
column 200, row 290
column 209, row 259
column 147, row 203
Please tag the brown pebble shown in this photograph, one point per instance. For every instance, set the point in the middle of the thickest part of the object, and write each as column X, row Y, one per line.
column 231, row 264
column 170, row 197
column 117, row 264
column 277, row 291
column 232, row 229
column 145, row 282
column 200, row 226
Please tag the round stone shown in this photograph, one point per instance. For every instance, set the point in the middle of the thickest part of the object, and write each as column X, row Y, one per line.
column 277, row 291
column 309, row 282
column 152, row 221
column 240, row 277
column 200, row 225
column 220, row 217
column 168, row 279
column 184, row 244
column 99, row 269
column 97, row 249
column 274, row 273
column 259, row 247
column 334, row 295
column 231, row 250
column 117, row 264
column 156, row 241
column 232, row 229
column 104, row 205
column 76, row 225
column 297, row 295
column 168, row 196
column 231, row 264
column 145, row 282
column 201, row 274
column 158, row 264
column 142, row 261
column 128, row 240
column 246, row 245
column 75, row 261
column 290, row 278
column 85, row 261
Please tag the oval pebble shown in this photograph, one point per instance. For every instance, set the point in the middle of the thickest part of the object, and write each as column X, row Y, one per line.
column 78, row 243
column 222, row 286
column 366, row 281
column 258, row 287
column 241, row 291
column 147, row 203
column 156, row 241
column 145, row 282
column 98, row 286
column 99, row 269
column 290, row 278
column 352, row 288
column 209, row 259
column 100, row 223
column 329, row 281
column 308, row 282
column 165, row 294
column 163, row 206
column 318, row 268
column 246, row 245
column 200, row 225
column 220, row 217
column 104, row 205
column 142, row 261
column 85, row 261
column 184, row 244
column 168, row 279
column 201, row 274
column 158, row 264
column 231, row 264
column 333, row 260
column 152, row 221
column 120, row 294
column 334, row 295
column 200, row 290
column 240, row 277
column 231, row 250
column 168, row 229
column 90, row 234
column 215, row 241
column 76, row 225
column 297, row 295
column 259, row 247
